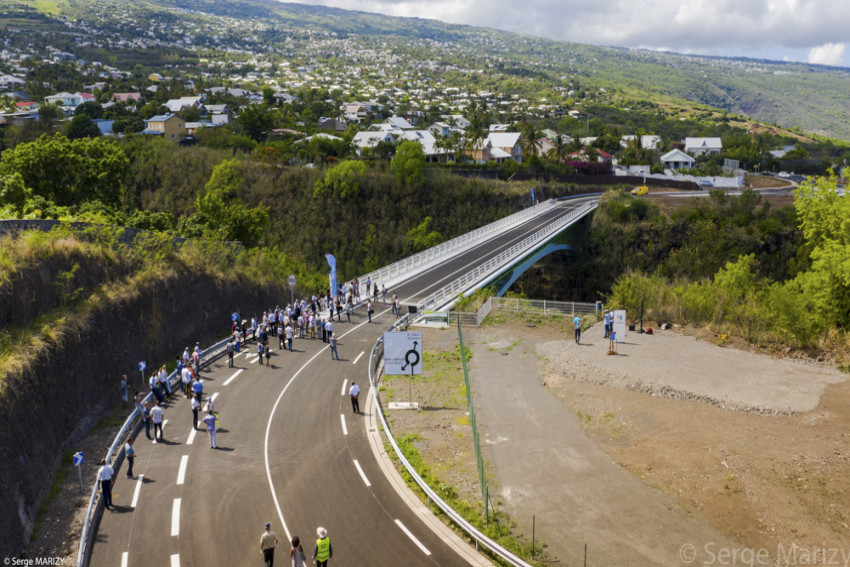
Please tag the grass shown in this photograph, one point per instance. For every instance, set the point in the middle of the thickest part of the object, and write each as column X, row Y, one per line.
column 54, row 492
column 501, row 528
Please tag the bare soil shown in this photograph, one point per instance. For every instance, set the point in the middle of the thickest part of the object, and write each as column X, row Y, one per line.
column 751, row 447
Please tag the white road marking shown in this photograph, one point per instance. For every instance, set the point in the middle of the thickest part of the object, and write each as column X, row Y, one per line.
column 137, row 491
column 269, row 429
column 358, row 357
column 124, row 558
column 175, row 560
column 413, row 538
column 235, row 374
column 191, row 436
column 344, row 384
column 362, row 474
column 175, row 520
column 344, row 428
column 181, row 472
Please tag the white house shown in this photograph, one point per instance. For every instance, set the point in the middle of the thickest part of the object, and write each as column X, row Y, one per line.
column 700, row 146
column 677, row 159
column 428, row 142
column 370, row 139
column 10, row 82
column 65, row 99
column 647, row 141
column 398, row 122
column 178, row 104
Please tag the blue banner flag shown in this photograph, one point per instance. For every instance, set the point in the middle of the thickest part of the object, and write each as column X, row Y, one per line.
column 332, row 276
column 532, row 196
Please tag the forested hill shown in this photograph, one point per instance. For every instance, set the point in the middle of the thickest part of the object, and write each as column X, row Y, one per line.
column 795, row 95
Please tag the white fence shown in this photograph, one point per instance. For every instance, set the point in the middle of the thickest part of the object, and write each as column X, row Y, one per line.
column 449, row 293
column 407, row 265
column 543, row 306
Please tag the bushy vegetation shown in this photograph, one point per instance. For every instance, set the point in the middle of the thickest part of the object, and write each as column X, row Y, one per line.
column 805, row 303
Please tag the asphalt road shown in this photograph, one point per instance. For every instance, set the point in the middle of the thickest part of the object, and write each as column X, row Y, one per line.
column 291, row 452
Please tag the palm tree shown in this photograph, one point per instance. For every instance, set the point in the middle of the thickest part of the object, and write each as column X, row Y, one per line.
column 530, row 134
column 558, row 153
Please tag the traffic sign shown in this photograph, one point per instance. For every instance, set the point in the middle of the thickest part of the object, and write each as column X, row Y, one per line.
column 78, row 459
column 291, row 280
column 142, row 366
column 403, row 353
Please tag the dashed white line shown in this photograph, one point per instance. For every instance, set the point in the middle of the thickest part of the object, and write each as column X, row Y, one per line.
column 358, row 357
column 181, row 472
column 344, row 428
column 362, row 474
column 191, row 436
column 124, row 558
column 175, row 560
column 413, row 538
column 175, row 520
column 235, row 374
column 344, row 384
column 137, row 491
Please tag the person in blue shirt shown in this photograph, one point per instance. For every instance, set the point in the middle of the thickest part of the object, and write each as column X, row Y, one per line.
column 577, row 323
column 607, row 321
column 198, row 388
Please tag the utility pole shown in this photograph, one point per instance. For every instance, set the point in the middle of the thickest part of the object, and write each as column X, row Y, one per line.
column 587, row 124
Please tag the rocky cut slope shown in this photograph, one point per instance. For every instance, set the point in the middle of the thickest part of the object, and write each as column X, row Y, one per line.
column 60, row 364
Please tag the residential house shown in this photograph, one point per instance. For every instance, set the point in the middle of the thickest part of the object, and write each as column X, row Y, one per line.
column 647, row 141
column 440, row 129
column 10, row 82
column 155, row 78
column 780, row 153
column 584, row 155
column 677, row 159
column 398, row 122
column 331, row 124
column 65, row 100
column 105, row 126
column 370, row 139
column 218, row 114
column 354, row 112
column 544, row 146
column 457, row 121
column 507, row 143
column 127, row 98
column 177, row 104
column 25, row 106
column 700, row 146
column 169, row 126
column 429, row 145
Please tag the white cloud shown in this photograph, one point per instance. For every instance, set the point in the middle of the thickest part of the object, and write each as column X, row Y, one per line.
column 828, row 54
column 759, row 27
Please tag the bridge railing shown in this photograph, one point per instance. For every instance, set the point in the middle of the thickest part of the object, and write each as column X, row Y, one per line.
column 94, row 507
column 449, row 292
column 473, row 532
column 406, row 265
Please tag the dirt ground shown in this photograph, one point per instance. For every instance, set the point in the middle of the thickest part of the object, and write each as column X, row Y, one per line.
column 748, row 448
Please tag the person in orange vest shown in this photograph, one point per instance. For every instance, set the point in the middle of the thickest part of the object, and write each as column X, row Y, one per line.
column 323, row 550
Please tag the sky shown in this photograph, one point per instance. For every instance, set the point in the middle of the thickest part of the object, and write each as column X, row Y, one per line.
column 814, row 31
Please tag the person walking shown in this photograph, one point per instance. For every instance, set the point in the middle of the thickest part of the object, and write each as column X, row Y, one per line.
column 124, row 389
column 196, row 405
column 209, row 420
column 369, row 310
column 268, row 353
column 577, row 324
column 354, row 392
column 323, row 550
column 267, row 542
column 231, row 347
column 146, row 415
column 607, row 321
column 330, row 328
column 289, row 333
column 296, row 553
column 154, row 385
column 384, row 293
column 130, row 455
column 334, row 353
column 260, row 352
column 156, row 415
column 104, row 477
column 198, row 388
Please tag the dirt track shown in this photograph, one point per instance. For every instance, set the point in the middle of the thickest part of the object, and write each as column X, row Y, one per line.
column 673, row 443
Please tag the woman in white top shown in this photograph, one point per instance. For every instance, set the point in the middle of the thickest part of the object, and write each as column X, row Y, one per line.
column 296, row 553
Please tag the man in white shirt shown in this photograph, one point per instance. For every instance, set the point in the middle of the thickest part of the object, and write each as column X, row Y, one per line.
column 156, row 415
column 354, row 392
column 104, row 477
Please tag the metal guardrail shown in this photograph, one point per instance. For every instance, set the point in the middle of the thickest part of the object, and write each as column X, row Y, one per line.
column 476, row 535
column 434, row 253
column 84, row 552
column 449, row 292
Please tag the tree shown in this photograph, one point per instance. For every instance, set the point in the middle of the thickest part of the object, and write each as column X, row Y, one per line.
column 342, row 181
column 89, row 108
column 13, row 192
column 421, row 237
column 408, row 164
column 81, row 126
column 530, row 134
column 256, row 120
